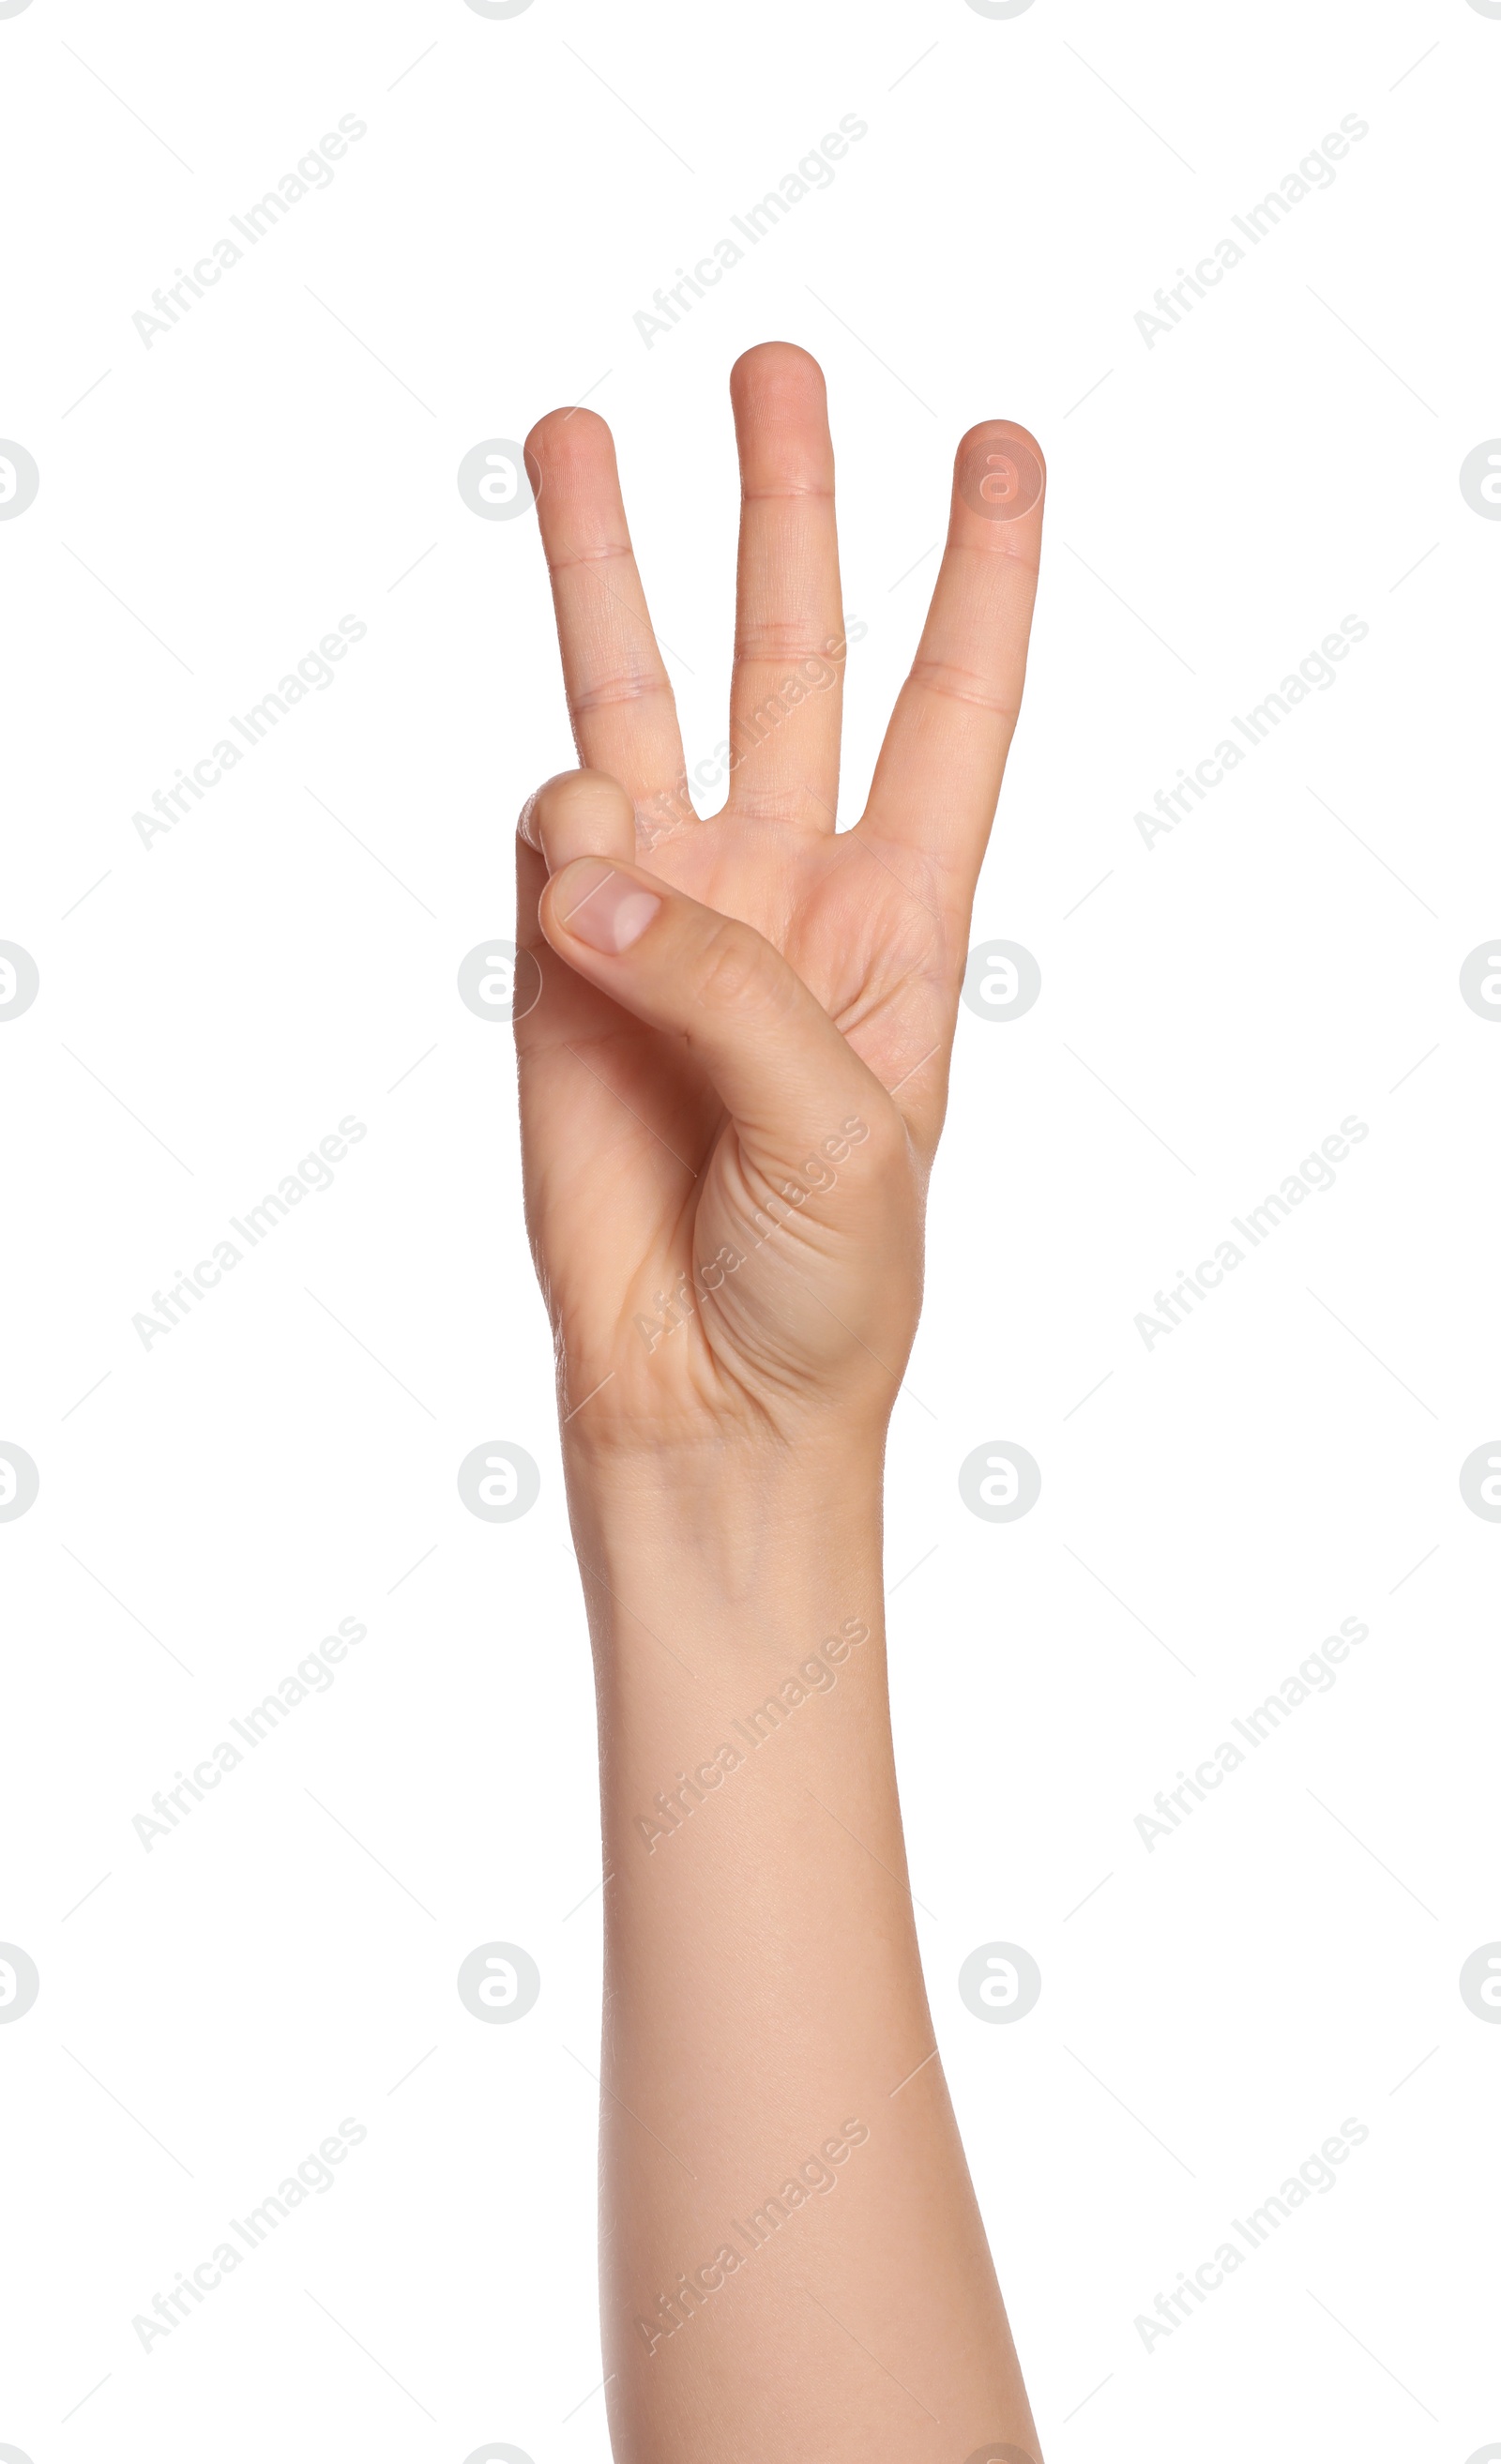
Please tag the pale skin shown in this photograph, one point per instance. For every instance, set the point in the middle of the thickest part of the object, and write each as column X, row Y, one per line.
column 732, row 1083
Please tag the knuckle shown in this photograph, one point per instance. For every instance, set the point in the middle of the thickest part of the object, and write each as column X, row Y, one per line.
column 611, row 692
column 791, row 639
column 949, row 681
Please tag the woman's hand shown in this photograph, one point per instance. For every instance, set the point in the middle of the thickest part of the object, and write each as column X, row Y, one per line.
column 732, row 1081
column 733, row 1076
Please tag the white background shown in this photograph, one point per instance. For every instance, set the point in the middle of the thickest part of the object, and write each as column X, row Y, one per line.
column 211, row 1005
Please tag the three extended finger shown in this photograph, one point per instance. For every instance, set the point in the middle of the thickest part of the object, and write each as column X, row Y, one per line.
column 619, row 698
column 940, row 769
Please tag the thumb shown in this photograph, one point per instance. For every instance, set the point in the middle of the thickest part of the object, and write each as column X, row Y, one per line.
column 779, row 1065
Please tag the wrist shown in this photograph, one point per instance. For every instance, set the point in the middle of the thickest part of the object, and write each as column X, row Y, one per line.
column 728, row 1541
column 721, row 1490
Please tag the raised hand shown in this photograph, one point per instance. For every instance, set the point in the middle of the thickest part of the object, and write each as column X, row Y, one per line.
column 733, row 1080
column 734, row 1075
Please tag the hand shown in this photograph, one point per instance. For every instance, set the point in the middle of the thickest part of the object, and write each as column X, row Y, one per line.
column 734, row 1079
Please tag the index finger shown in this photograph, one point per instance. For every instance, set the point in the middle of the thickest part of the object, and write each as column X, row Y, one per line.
column 621, row 703
column 941, row 764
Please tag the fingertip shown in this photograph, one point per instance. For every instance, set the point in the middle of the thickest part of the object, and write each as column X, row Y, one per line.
column 771, row 372
column 781, row 410
column 984, row 430
column 999, row 471
column 569, row 438
column 579, row 813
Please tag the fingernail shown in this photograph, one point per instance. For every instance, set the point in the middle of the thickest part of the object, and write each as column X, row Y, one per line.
column 606, row 909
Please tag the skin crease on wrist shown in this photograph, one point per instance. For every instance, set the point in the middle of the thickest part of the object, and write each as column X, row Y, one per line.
column 732, row 1083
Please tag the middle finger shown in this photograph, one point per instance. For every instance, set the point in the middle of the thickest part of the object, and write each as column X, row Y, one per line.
column 788, row 673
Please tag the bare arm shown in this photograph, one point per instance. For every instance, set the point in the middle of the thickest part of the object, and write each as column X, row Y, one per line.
column 732, row 1083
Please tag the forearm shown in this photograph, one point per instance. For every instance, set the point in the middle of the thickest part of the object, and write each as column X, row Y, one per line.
column 794, row 2263
column 733, row 1065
